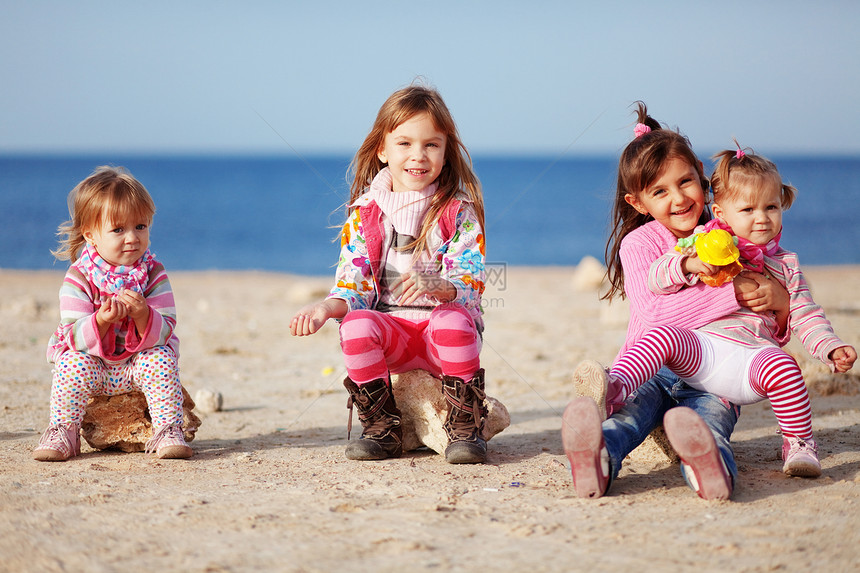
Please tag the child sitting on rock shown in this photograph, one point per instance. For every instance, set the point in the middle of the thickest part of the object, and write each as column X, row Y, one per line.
column 117, row 317
column 410, row 276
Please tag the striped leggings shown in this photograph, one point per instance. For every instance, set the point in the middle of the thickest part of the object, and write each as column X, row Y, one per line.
column 78, row 376
column 376, row 343
column 740, row 374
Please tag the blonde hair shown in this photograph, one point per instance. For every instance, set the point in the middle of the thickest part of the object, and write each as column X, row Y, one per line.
column 641, row 163
column 740, row 169
column 108, row 194
column 457, row 174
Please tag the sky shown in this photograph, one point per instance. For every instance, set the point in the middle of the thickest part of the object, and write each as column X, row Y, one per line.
column 541, row 77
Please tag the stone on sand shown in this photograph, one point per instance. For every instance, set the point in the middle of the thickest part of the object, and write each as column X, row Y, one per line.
column 588, row 274
column 122, row 422
column 424, row 410
column 208, row 401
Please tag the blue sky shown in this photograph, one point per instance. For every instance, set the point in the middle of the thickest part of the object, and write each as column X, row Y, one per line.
column 539, row 77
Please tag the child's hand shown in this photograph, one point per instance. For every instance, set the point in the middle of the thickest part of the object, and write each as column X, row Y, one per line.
column 111, row 311
column 758, row 293
column 138, row 309
column 311, row 318
column 843, row 358
column 693, row 265
column 413, row 285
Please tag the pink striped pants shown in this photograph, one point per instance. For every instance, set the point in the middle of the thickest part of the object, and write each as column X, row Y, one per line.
column 768, row 372
column 375, row 343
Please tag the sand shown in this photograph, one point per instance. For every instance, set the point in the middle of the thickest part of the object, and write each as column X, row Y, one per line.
column 269, row 488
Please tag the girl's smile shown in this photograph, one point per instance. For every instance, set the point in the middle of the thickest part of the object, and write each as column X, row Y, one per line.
column 414, row 152
column 675, row 199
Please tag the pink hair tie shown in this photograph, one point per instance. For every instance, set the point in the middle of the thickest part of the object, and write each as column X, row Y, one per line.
column 740, row 153
column 640, row 129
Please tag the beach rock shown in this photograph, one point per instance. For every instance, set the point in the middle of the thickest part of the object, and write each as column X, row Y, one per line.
column 655, row 450
column 122, row 422
column 208, row 401
column 588, row 275
column 424, row 410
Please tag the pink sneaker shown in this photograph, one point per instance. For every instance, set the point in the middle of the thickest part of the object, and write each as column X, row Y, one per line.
column 59, row 443
column 693, row 441
column 801, row 457
column 582, row 436
column 169, row 443
column 591, row 380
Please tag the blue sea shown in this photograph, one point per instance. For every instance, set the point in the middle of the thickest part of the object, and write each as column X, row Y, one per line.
column 283, row 213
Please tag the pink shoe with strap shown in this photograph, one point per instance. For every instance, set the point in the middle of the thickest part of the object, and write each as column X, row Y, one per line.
column 801, row 457
column 169, row 443
column 59, row 443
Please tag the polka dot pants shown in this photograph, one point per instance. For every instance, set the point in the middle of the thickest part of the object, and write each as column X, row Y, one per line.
column 78, row 376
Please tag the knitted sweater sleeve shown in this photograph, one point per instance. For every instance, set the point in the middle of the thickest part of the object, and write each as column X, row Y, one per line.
column 666, row 275
column 806, row 319
column 162, row 315
column 78, row 329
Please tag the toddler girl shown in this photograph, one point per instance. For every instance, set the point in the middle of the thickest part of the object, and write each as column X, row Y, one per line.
column 410, row 276
column 738, row 356
column 660, row 198
column 117, row 317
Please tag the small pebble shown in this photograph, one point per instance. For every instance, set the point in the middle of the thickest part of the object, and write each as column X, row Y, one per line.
column 209, row 401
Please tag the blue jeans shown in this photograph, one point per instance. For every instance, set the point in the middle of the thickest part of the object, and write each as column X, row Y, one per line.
column 644, row 410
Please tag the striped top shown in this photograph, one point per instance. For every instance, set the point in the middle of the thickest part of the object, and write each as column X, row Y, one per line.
column 80, row 300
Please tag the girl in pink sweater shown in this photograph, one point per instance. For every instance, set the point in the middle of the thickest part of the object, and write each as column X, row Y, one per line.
column 738, row 356
column 661, row 197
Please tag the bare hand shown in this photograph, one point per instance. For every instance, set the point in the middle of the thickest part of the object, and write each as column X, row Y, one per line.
column 693, row 265
column 111, row 311
column 138, row 309
column 414, row 285
column 843, row 358
column 758, row 293
column 313, row 316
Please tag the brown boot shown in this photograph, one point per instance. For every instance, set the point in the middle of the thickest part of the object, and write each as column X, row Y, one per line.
column 381, row 436
column 465, row 422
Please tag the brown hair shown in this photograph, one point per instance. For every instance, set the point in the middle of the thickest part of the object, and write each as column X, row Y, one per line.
column 642, row 162
column 732, row 173
column 457, row 173
column 108, row 194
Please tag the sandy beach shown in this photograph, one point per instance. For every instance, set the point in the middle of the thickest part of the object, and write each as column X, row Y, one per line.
column 269, row 488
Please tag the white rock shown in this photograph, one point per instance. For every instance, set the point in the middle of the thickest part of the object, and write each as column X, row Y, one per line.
column 208, row 400
column 588, row 275
column 424, row 410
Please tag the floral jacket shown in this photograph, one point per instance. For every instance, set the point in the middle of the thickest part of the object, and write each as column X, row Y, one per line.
column 456, row 244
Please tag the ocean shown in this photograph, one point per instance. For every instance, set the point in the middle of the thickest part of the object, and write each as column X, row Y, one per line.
column 283, row 213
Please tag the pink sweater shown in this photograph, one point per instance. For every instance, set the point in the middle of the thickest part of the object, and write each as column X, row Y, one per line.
column 691, row 307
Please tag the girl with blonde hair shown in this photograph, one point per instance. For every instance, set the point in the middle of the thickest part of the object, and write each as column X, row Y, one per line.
column 117, row 317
